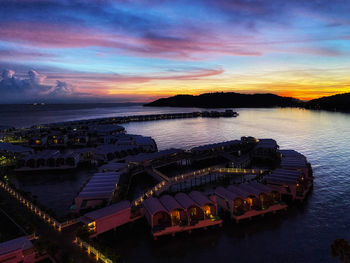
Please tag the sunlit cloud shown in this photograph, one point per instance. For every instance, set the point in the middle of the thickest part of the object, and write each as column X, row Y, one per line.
column 141, row 50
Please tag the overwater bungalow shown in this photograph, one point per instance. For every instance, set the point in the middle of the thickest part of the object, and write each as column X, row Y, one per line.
column 252, row 200
column 156, row 214
column 231, row 202
column 294, row 182
column 262, row 194
column 177, row 213
column 169, row 215
column 48, row 160
column 208, row 206
column 192, row 209
column 248, row 200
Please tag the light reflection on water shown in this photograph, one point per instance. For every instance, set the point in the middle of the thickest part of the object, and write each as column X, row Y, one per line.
column 305, row 233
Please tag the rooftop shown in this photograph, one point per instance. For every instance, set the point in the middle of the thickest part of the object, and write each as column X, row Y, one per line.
column 109, row 210
column 22, row 243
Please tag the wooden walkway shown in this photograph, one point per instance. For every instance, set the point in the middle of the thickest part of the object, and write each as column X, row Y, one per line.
column 36, row 210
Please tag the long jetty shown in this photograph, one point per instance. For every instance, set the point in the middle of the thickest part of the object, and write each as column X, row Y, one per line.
column 150, row 117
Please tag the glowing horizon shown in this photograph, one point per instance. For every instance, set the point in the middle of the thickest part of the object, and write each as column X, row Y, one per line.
column 132, row 51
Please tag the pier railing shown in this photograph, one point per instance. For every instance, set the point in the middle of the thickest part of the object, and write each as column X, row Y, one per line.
column 37, row 211
column 164, row 185
column 92, row 250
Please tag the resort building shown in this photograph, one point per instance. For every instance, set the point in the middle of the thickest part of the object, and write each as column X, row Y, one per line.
column 48, row 160
column 249, row 200
column 17, row 250
column 208, row 205
column 169, row 215
column 156, row 158
column 233, row 145
column 106, row 129
column 192, row 209
column 101, row 189
column 266, row 149
column 38, row 142
column 293, row 160
column 107, row 218
column 177, row 213
column 57, row 140
column 293, row 183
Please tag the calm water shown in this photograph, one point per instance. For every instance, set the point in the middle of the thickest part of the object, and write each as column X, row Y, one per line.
column 303, row 234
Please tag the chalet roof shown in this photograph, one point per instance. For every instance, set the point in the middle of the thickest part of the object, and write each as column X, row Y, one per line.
column 109, row 210
column 266, row 143
column 22, row 243
column 153, row 206
column 199, row 198
column 228, row 195
column 170, row 203
column 184, row 200
column 215, row 145
column 240, row 191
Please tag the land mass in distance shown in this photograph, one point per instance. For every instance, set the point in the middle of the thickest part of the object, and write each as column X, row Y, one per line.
column 340, row 102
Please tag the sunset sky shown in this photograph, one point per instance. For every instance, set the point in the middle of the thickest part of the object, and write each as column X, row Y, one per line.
column 137, row 51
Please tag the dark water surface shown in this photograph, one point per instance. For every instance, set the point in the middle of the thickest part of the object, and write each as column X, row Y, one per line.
column 303, row 234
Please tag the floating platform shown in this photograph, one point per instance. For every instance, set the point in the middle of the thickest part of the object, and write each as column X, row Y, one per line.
column 172, row 230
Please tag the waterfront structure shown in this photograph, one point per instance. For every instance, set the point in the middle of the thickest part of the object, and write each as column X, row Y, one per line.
column 249, row 200
column 17, row 250
column 293, row 183
column 266, row 150
column 110, row 217
column 166, row 215
column 167, row 209
column 233, row 145
column 165, row 156
column 101, row 188
column 48, row 160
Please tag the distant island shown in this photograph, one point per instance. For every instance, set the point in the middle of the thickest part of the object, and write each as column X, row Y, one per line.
column 340, row 102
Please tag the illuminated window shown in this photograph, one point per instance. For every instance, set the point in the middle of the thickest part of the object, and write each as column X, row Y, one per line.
column 92, row 226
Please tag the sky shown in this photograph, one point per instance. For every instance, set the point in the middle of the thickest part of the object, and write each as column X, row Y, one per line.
column 138, row 51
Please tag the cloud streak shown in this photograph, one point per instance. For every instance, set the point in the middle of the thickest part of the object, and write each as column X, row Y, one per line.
column 97, row 48
column 31, row 87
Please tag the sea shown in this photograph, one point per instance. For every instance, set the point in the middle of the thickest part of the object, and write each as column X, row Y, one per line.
column 302, row 234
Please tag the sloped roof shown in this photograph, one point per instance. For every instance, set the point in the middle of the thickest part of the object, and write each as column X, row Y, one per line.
column 170, row 203
column 184, row 200
column 153, row 206
column 108, row 211
column 22, row 243
column 200, row 198
column 221, row 191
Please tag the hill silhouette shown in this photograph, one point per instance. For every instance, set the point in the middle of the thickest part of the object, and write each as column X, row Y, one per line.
column 227, row 100
column 339, row 102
